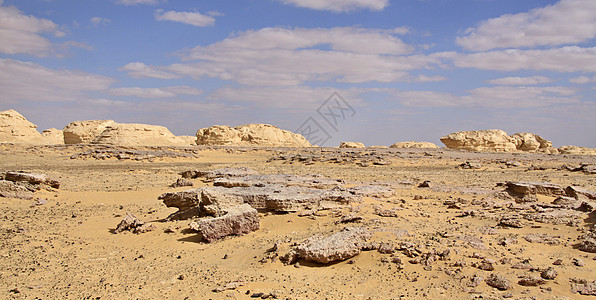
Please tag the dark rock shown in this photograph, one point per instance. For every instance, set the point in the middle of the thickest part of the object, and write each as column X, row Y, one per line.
column 588, row 245
column 531, row 281
column 470, row 165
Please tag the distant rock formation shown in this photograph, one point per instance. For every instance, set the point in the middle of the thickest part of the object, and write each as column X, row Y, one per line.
column 52, row 136
column 412, row 144
column 495, row 140
column 138, row 135
column 577, row 150
column 14, row 128
column 261, row 135
column 84, row 132
column 351, row 145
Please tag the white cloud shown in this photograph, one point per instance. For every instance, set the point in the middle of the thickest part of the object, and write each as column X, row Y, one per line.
column 21, row 34
column 141, row 70
column 491, row 97
column 167, row 92
column 97, row 21
column 339, row 5
column 521, row 80
column 29, row 81
column 424, row 78
column 190, row 18
column 582, row 79
column 566, row 22
column 136, row 2
column 565, row 59
column 279, row 56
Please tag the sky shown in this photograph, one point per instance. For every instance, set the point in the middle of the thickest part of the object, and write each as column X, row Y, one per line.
column 371, row 71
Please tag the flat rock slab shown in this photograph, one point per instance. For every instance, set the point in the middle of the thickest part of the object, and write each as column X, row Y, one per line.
column 238, row 220
column 31, row 178
column 336, row 247
column 314, row 181
column 532, row 188
column 9, row 189
column 579, row 193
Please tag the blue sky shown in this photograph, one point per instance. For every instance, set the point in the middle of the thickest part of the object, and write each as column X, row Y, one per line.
column 410, row 69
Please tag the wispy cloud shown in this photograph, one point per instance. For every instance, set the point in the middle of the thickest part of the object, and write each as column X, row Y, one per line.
column 137, row 2
column 531, row 80
column 339, row 5
column 166, row 92
column 97, row 21
column 186, row 17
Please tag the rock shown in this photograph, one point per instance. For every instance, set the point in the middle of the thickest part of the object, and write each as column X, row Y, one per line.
column 188, row 140
column 52, row 136
column 132, row 223
column 238, row 220
column 31, row 178
column 480, row 140
column 512, row 222
column 9, row 189
column 585, row 288
column 580, row 193
column 137, row 135
column 529, row 142
column 84, row 132
column 575, row 150
column 498, row 282
column 531, row 188
column 567, row 202
column 187, row 203
column 470, row 165
column 14, row 128
column 229, row 286
column 550, row 273
column 588, row 245
column 542, row 238
column 260, row 135
column 351, row 145
column 412, row 144
column 376, row 191
column 531, row 281
column 336, row 247
column 180, row 182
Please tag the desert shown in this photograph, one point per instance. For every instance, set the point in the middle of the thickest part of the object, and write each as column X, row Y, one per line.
column 113, row 216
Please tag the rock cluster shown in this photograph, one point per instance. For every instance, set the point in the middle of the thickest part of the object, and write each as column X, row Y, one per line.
column 23, row 185
column 412, row 144
column 133, row 224
column 498, row 141
column 261, row 135
column 351, row 145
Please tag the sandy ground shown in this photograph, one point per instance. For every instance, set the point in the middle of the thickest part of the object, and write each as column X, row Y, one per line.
column 65, row 249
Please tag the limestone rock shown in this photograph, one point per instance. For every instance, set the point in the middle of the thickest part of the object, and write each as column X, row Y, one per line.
column 188, row 140
column 480, row 140
column 530, row 142
column 52, row 136
column 9, row 189
column 575, row 150
column 580, row 193
column 412, row 144
column 84, row 132
column 351, row 145
column 529, row 188
column 133, row 224
column 31, row 178
column 260, row 135
column 14, row 128
column 498, row 281
column 336, row 247
column 137, row 135
column 238, row 220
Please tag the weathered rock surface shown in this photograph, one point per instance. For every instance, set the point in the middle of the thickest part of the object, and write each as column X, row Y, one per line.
column 529, row 188
column 336, row 247
column 575, row 150
column 261, row 135
column 14, row 128
column 351, row 145
column 580, row 193
column 9, row 189
column 529, row 142
column 498, row 281
column 480, row 140
column 585, row 288
column 31, row 178
column 412, row 144
column 133, row 224
column 138, row 135
column 238, row 220
column 84, row 132
column 52, row 136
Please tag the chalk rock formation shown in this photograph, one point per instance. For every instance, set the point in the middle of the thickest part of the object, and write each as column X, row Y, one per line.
column 237, row 220
column 412, row 144
column 336, row 247
column 84, row 132
column 14, row 128
column 52, row 136
column 575, row 150
column 137, row 135
column 188, row 140
column 530, row 142
column 260, row 135
column 351, row 145
column 480, row 140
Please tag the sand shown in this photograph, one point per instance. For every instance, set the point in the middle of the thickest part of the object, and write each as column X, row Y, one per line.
column 65, row 248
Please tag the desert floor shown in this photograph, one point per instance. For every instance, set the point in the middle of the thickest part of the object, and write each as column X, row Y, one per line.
column 65, row 248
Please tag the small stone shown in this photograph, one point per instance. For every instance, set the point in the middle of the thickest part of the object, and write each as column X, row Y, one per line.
column 498, row 281
column 531, row 281
column 550, row 273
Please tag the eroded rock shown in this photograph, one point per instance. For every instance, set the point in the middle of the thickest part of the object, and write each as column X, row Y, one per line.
column 237, row 220
column 336, row 247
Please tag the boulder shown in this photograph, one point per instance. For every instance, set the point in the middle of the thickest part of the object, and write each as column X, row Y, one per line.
column 351, row 145
column 9, row 189
column 336, row 247
column 412, row 144
column 84, row 132
column 525, row 189
column 31, row 178
column 575, row 150
column 237, row 220
column 52, row 136
column 14, row 128
column 259, row 135
column 530, row 142
column 480, row 140
column 133, row 224
column 137, row 135
column 580, row 193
